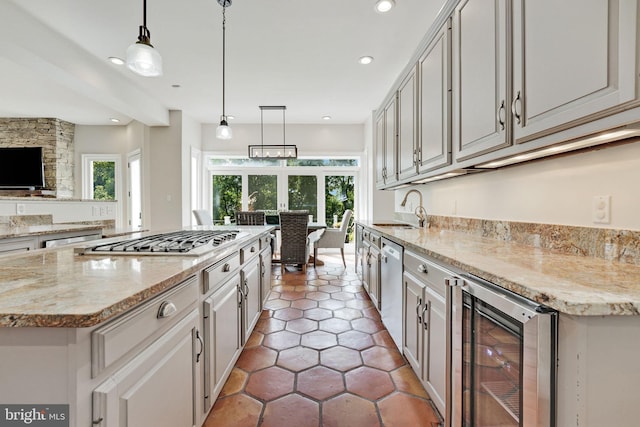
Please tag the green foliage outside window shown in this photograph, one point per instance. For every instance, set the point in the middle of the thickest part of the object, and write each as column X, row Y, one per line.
column 104, row 177
column 227, row 196
column 303, row 193
column 339, row 197
column 263, row 192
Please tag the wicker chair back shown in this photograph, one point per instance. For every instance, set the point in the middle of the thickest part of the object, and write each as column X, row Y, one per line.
column 294, row 248
column 250, row 218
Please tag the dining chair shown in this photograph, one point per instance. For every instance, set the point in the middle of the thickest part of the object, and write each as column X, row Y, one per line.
column 294, row 243
column 250, row 218
column 203, row 217
column 334, row 237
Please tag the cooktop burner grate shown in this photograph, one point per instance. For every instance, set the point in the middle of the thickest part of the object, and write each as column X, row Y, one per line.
column 178, row 242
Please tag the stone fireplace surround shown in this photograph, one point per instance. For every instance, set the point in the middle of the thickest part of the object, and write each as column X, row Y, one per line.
column 56, row 138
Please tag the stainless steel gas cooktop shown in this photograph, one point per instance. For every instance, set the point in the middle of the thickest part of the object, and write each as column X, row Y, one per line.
column 184, row 242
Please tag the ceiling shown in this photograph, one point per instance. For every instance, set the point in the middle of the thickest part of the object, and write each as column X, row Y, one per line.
column 299, row 53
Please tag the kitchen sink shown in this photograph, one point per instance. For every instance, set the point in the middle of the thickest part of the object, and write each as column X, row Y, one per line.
column 394, row 225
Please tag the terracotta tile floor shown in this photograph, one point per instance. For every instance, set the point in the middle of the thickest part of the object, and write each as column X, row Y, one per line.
column 320, row 356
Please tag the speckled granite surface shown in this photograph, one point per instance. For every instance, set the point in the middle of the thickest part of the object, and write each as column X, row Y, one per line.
column 7, row 231
column 572, row 284
column 57, row 288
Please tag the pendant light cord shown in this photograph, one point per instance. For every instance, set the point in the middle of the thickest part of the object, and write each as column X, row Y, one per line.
column 224, row 21
column 144, row 13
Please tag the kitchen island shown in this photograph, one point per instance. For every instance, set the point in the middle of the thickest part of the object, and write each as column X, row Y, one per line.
column 597, row 300
column 91, row 331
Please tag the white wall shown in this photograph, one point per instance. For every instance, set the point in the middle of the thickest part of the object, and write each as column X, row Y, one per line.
column 551, row 191
column 191, row 138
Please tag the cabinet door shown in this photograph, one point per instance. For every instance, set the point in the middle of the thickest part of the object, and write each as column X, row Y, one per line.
column 252, row 296
column 413, row 333
column 434, row 103
column 265, row 275
column 390, row 149
column 156, row 388
column 365, row 260
column 379, row 142
column 572, row 60
column 407, row 153
column 374, row 276
column 481, row 99
column 17, row 245
column 435, row 347
column 222, row 337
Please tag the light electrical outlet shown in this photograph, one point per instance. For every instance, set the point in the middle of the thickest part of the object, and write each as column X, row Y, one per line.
column 20, row 209
column 601, row 210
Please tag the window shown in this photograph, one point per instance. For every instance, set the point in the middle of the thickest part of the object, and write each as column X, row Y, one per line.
column 227, row 196
column 100, row 176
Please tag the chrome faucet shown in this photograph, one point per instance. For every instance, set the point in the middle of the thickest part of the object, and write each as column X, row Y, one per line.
column 420, row 211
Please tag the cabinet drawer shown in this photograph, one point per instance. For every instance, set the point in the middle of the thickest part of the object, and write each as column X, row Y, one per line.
column 265, row 241
column 249, row 251
column 426, row 271
column 113, row 341
column 220, row 272
column 374, row 239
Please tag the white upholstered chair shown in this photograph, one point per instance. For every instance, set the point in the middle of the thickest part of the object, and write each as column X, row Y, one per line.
column 203, row 217
column 334, row 237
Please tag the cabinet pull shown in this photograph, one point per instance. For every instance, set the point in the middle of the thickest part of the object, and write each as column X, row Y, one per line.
column 240, row 295
column 226, row 267
column 501, row 110
column 253, row 249
column 246, row 288
column 98, row 421
column 201, row 346
column 262, row 269
column 418, row 310
column 514, row 107
column 167, row 308
column 415, row 157
column 425, row 323
column 423, row 269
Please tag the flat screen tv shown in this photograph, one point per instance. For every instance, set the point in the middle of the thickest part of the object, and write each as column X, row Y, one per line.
column 21, row 168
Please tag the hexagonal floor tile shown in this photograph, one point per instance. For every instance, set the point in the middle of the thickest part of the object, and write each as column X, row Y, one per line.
column 271, row 383
column 343, row 296
column 320, row 382
column 347, row 313
column 340, row 358
column 254, row 339
column 318, row 296
column 400, row 410
column 301, row 326
column 266, row 326
column 367, row 325
column 386, row 359
column 406, row 380
column 298, row 358
column 319, row 340
column 383, row 338
column 275, row 304
column 304, row 304
column 281, row 340
column 359, row 304
column 255, row 358
column 318, row 314
column 292, row 295
column 238, row 410
column 334, row 325
column 331, row 304
column 288, row 314
column 356, row 340
column 369, row 383
column 234, row 383
column 291, row 410
column 349, row 410
column 329, row 288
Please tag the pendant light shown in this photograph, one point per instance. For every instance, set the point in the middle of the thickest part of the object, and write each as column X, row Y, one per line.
column 273, row 151
column 223, row 131
column 142, row 58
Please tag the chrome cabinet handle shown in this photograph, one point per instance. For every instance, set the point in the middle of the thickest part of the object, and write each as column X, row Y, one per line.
column 514, row 107
column 240, row 295
column 246, row 288
column 263, row 269
column 423, row 269
column 499, row 114
column 415, row 157
column 418, row 311
column 425, row 323
column 167, row 308
column 201, row 346
column 253, row 249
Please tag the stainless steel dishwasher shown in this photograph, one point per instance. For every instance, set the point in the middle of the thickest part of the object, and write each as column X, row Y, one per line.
column 391, row 289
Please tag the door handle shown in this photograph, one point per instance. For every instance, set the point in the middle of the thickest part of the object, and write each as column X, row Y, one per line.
column 425, row 323
column 167, row 308
column 201, row 346
column 514, row 108
column 499, row 114
column 418, row 311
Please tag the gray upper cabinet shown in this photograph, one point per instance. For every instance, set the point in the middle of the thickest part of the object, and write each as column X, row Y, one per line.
column 481, row 97
column 434, row 103
column 573, row 61
column 407, row 130
column 386, row 132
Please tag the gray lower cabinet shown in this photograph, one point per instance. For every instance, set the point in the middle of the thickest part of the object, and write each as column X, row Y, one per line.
column 373, row 275
column 157, row 387
column 222, row 336
column 251, row 296
column 425, row 324
column 265, row 274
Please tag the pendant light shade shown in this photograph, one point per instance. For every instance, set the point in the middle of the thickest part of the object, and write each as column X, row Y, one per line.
column 223, row 131
column 142, row 58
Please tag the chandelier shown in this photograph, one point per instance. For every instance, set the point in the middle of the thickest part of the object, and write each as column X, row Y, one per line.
column 272, row 151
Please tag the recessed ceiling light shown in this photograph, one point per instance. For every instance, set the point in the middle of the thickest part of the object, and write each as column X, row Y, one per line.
column 114, row 120
column 116, row 60
column 231, row 117
column 383, row 6
column 326, row 117
column 366, row 60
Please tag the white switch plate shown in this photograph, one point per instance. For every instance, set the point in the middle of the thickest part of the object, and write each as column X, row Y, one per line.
column 20, row 209
column 601, row 212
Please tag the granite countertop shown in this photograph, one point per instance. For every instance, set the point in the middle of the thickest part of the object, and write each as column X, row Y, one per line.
column 571, row 284
column 59, row 288
column 7, row 232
